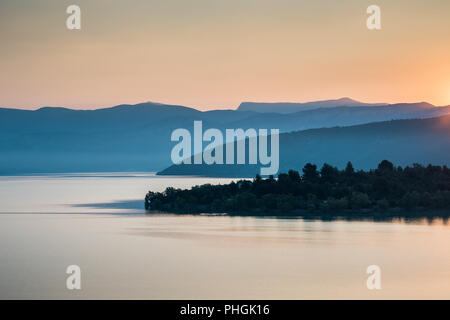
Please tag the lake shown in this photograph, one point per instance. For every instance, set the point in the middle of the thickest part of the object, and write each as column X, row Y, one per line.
column 97, row 221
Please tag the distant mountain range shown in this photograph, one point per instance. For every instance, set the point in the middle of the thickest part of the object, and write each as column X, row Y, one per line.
column 137, row 137
column 290, row 107
column 403, row 142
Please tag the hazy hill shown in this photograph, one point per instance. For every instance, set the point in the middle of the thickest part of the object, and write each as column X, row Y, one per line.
column 403, row 142
column 290, row 107
column 341, row 116
column 137, row 137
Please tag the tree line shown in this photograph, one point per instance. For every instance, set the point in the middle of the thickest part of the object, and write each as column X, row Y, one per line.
column 329, row 189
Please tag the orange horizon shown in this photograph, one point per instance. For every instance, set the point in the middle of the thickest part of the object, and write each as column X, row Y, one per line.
column 212, row 56
column 212, row 108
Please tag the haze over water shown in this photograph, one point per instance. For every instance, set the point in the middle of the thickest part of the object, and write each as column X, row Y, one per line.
column 97, row 221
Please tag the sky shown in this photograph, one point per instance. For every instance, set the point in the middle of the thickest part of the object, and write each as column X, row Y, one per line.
column 215, row 54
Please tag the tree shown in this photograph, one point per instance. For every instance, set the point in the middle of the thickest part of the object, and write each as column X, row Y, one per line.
column 383, row 204
column 147, row 200
column 349, row 170
column 411, row 200
column 310, row 173
column 294, row 175
column 360, row 200
column 329, row 173
column 338, row 204
column 385, row 166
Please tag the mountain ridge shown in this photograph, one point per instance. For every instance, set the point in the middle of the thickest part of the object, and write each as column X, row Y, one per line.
column 406, row 142
column 291, row 107
column 138, row 137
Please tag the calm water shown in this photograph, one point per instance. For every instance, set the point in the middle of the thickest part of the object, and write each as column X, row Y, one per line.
column 97, row 221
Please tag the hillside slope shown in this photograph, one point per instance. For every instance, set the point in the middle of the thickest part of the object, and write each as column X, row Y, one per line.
column 403, row 142
column 137, row 137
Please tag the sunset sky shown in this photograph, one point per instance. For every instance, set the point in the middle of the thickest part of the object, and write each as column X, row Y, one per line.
column 216, row 54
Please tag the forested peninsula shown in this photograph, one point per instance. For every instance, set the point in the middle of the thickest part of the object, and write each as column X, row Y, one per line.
column 416, row 190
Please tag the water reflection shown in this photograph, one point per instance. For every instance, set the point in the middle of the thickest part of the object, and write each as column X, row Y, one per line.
column 133, row 255
column 122, row 204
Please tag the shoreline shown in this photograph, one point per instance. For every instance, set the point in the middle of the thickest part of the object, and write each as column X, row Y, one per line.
column 348, row 215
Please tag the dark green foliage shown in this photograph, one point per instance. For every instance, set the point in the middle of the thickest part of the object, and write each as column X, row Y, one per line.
column 328, row 190
column 310, row 172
